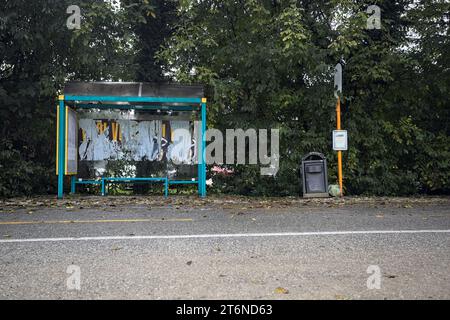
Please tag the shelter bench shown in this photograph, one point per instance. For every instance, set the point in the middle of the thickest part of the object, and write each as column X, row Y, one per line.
column 103, row 182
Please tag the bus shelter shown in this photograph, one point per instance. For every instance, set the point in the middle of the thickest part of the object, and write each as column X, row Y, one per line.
column 140, row 127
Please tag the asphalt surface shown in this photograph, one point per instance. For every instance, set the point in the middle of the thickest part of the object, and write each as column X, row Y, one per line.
column 272, row 252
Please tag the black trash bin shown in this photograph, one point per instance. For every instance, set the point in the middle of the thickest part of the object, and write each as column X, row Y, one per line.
column 314, row 175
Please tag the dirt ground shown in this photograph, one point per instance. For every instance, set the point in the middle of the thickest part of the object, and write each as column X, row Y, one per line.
column 224, row 202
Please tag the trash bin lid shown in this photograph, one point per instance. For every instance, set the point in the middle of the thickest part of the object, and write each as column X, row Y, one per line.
column 314, row 154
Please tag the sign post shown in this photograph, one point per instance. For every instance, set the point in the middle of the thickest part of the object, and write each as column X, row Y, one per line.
column 338, row 91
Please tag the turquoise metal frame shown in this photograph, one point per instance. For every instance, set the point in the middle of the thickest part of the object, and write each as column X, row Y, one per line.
column 61, row 147
column 82, row 102
column 105, row 181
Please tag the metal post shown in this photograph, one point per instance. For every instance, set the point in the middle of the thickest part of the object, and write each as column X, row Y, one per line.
column 61, row 146
column 203, row 148
column 200, row 157
column 103, row 187
column 72, row 184
column 338, row 120
column 166, row 187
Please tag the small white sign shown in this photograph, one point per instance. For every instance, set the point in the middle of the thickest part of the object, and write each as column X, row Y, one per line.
column 340, row 140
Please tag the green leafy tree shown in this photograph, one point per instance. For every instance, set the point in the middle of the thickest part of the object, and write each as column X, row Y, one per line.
column 265, row 64
column 269, row 64
column 38, row 55
column 157, row 23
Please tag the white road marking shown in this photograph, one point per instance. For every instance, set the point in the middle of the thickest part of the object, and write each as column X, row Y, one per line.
column 231, row 235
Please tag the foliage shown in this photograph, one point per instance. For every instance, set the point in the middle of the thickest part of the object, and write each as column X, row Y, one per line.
column 38, row 54
column 269, row 64
column 151, row 33
column 265, row 63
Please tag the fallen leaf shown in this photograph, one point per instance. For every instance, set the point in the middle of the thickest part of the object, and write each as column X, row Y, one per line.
column 281, row 290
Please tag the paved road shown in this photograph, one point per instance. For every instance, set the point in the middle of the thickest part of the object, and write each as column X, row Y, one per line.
column 294, row 252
